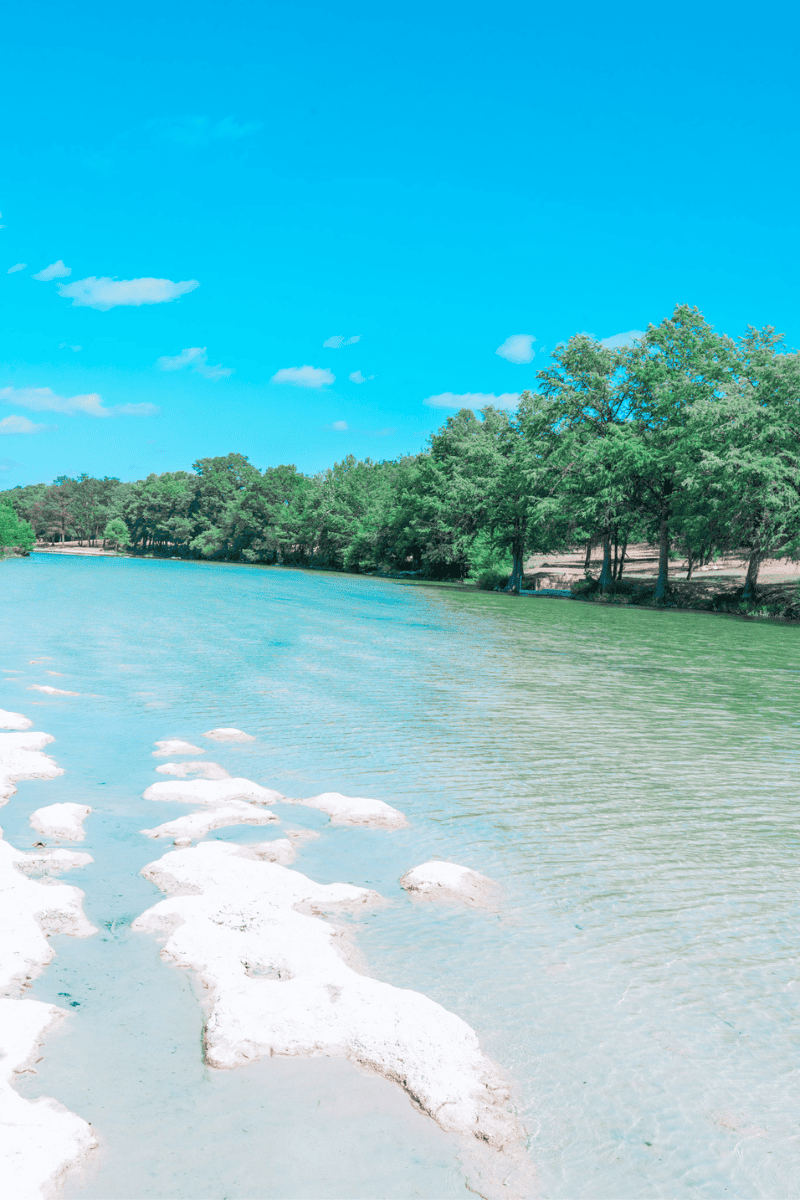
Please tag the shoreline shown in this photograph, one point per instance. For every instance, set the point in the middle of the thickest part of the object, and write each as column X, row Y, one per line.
column 713, row 601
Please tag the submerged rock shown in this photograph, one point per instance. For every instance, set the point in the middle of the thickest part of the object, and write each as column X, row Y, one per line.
column 228, row 735
column 208, row 770
column 39, row 1139
column 12, row 720
column 175, row 746
column 20, row 758
column 198, row 824
column 50, row 691
column 448, row 882
column 213, row 791
column 356, row 810
column 277, row 981
column 63, row 821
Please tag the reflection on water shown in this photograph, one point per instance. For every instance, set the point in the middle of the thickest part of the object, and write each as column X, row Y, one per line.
column 629, row 776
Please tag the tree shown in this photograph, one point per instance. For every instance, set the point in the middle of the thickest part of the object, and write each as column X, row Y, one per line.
column 590, row 490
column 116, row 531
column 743, row 490
column 674, row 365
column 14, row 533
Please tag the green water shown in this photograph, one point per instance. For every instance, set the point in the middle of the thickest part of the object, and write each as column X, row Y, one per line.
column 630, row 777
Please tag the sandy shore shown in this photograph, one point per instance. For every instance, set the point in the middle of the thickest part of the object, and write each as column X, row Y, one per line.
column 641, row 565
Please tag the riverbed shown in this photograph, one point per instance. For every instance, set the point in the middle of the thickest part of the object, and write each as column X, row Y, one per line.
column 628, row 776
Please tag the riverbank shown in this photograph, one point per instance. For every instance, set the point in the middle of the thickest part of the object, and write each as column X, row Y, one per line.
column 714, row 588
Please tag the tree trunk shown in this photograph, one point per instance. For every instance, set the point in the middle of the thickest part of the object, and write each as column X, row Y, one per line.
column 622, row 557
column 691, row 560
column 616, row 555
column 588, row 560
column 662, row 582
column 605, row 579
column 751, row 579
column 515, row 582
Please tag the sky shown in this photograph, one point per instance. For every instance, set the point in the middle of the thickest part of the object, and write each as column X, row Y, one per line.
column 301, row 231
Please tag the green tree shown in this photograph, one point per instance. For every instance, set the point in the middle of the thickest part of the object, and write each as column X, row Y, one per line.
column 676, row 364
column 742, row 491
column 116, row 531
column 587, row 488
column 14, row 533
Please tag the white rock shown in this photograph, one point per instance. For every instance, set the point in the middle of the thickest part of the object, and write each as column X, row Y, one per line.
column 29, row 912
column 276, row 982
column 12, row 720
column 53, row 862
column 198, row 824
column 63, row 821
column 301, row 835
column 50, row 691
column 39, row 1139
column 35, row 740
column 175, row 746
column 208, row 770
column 228, row 735
column 281, row 851
column 355, row 810
column 447, row 882
column 213, row 791
column 20, row 758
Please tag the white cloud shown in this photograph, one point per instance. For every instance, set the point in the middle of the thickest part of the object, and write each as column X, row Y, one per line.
column 475, row 400
column 310, row 377
column 108, row 293
column 518, row 348
column 618, row 341
column 20, row 425
column 89, row 405
column 336, row 343
column 340, row 425
column 56, row 270
column 196, row 358
column 357, row 377
column 15, row 268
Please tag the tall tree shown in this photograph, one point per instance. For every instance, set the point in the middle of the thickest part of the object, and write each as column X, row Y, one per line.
column 676, row 364
column 591, row 486
column 743, row 488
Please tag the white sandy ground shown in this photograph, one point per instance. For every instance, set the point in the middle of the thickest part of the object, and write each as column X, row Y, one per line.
column 447, row 882
column 213, row 791
column 276, row 981
column 64, row 821
column 21, row 758
column 12, row 720
column 175, row 746
column 355, row 810
column 228, row 735
column 39, row 1139
column 50, row 691
column 198, row 824
column 208, row 770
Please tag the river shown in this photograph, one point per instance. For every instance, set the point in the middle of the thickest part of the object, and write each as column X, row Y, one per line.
column 629, row 776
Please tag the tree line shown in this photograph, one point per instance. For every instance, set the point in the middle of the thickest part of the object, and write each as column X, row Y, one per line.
column 687, row 439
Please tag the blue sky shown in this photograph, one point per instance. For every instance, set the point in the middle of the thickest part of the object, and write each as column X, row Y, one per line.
column 430, row 179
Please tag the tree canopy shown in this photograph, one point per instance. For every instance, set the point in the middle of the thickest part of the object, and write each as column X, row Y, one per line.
column 686, row 438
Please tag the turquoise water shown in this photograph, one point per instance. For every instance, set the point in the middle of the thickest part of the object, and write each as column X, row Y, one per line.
column 630, row 777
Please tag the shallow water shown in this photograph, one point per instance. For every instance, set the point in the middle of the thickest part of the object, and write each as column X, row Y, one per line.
column 629, row 776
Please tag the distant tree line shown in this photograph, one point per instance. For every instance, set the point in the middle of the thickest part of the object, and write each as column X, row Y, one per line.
column 687, row 439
